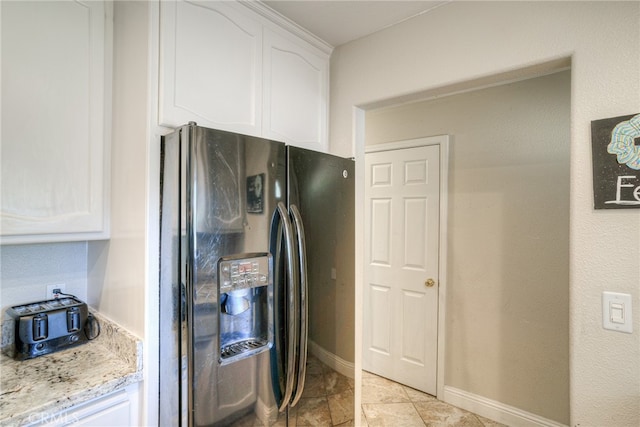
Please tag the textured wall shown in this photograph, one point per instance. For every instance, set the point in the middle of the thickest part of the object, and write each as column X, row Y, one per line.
column 27, row 270
column 508, row 236
column 462, row 41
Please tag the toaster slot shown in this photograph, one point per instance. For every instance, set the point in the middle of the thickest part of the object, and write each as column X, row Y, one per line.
column 40, row 327
column 73, row 319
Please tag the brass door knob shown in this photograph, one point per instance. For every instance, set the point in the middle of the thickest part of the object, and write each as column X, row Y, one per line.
column 429, row 283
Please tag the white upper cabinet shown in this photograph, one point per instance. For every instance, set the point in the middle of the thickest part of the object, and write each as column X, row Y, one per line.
column 211, row 66
column 55, row 121
column 236, row 67
column 296, row 85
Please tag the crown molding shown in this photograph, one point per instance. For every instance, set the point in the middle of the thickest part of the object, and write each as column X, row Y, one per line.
column 286, row 23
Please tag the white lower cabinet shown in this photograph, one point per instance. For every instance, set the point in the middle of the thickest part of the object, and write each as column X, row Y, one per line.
column 56, row 81
column 118, row 409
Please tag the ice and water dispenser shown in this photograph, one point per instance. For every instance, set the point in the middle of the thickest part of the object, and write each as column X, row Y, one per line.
column 246, row 300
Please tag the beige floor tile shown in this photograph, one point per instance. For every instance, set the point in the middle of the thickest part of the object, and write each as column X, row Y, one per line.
column 283, row 423
column 381, row 390
column 341, row 407
column 352, row 382
column 490, row 423
column 392, row 415
column 313, row 411
column 314, row 385
column 328, row 401
column 367, row 374
column 335, row 382
column 417, row 395
column 439, row 414
column 314, row 366
column 363, row 419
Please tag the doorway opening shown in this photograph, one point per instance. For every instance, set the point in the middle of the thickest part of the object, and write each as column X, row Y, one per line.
column 405, row 254
column 507, row 272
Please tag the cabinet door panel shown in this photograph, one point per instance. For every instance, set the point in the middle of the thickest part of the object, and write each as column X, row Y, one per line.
column 211, row 66
column 113, row 409
column 295, row 103
column 53, row 121
column 117, row 415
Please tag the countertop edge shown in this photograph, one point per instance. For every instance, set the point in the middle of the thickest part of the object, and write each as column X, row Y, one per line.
column 70, row 402
column 125, row 353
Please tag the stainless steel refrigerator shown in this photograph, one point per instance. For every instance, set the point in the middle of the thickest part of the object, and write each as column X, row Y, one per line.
column 250, row 232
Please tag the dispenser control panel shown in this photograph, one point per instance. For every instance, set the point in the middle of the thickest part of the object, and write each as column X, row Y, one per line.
column 243, row 273
column 245, row 313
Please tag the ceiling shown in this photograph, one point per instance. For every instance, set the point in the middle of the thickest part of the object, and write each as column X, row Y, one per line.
column 340, row 21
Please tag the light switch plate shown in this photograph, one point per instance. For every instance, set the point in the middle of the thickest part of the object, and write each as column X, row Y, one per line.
column 617, row 312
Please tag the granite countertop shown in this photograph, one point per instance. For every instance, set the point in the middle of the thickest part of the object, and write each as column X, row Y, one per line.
column 52, row 383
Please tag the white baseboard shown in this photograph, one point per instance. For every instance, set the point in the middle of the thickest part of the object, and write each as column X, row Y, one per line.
column 331, row 360
column 494, row 410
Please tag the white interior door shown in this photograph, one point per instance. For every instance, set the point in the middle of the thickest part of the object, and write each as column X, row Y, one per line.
column 401, row 265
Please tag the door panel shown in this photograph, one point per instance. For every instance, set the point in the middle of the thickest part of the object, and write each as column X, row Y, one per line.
column 413, row 350
column 400, row 309
column 381, row 341
column 415, row 215
column 381, row 231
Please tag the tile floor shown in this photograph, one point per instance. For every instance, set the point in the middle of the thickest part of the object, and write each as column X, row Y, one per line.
column 386, row 403
column 328, row 401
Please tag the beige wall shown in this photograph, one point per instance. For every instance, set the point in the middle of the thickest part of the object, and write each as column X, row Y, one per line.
column 508, row 237
column 462, row 41
column 117, row 267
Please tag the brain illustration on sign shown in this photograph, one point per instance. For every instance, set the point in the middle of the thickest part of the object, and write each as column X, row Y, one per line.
column 623, row 142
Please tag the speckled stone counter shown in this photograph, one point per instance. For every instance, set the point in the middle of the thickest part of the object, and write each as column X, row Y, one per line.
column 58, row 381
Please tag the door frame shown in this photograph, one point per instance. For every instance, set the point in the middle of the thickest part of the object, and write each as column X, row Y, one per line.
column 443, row 142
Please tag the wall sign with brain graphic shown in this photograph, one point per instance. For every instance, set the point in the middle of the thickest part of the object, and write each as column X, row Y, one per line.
column 616, row 162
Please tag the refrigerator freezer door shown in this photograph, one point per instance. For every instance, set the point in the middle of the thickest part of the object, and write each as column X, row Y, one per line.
column 220, row 192
column 233, row 197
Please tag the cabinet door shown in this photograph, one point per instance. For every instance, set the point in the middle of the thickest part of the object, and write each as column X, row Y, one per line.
column 54, row 155
column 116, row 415
column 112, row 410
column 296, row 92
column 211, row 66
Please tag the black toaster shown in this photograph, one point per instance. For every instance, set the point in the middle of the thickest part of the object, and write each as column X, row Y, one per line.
column 48, row 326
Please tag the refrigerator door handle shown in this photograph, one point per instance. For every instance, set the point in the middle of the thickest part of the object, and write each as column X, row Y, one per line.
column 291, row 297
column 304, row 307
